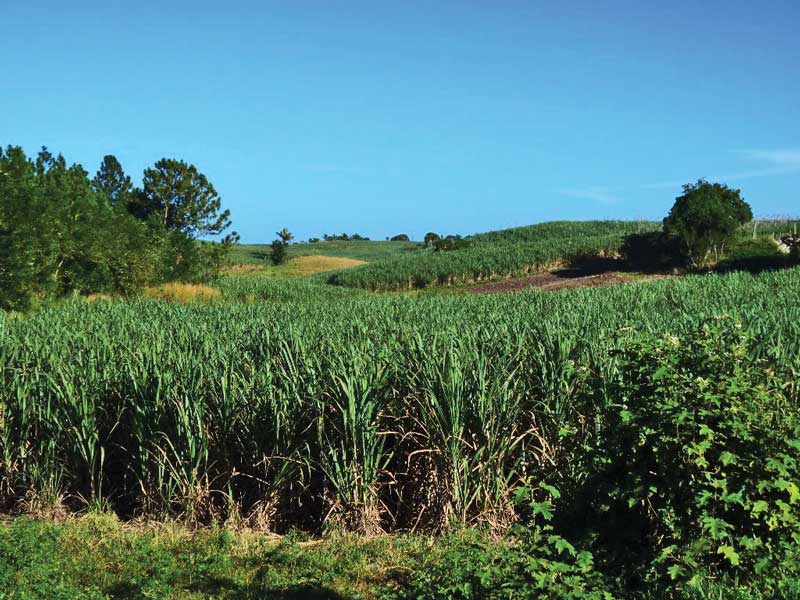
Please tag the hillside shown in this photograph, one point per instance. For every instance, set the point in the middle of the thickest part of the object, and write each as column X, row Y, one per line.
column 495, row 254
column 366, row 250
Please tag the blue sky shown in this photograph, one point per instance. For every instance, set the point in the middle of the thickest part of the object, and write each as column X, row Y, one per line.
column 385, row 117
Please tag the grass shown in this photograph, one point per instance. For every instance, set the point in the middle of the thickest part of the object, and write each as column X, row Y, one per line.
column 365, row 250
column 299, row 266
column 96, row 557
column 184, row 293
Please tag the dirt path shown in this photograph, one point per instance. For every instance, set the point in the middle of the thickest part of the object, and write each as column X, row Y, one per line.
column 560, row 280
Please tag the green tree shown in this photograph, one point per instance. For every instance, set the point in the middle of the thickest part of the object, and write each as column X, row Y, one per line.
column 181, row 198
column 431, row 237
column 401, row 237
column 280, row 246
column 704, row 217
column 112, row 183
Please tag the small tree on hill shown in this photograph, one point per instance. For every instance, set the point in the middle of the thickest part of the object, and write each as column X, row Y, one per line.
column 402, row 237
column 280, row 246
column 704, row 217
column 431, row 237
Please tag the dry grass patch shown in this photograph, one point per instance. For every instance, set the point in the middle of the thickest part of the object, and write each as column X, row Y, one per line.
column 185, row 293
column 308, row 265
column 298, row 267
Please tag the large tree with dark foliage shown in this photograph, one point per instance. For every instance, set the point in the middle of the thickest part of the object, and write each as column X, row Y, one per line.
column 112, row 183
column 178, row 196
column 704, row 217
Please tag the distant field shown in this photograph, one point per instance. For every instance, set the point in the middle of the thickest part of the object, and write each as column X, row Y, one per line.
column 360, row 250
column 495, row 254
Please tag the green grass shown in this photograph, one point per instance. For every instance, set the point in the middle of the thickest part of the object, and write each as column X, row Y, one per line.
column 96, row 558
column 360, row 250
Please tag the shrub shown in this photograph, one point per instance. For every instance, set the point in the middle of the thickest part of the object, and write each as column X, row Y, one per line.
column 652, row 250
column 701, row 458
column 431, row 237
column 704, row 217
column 450, row 243
column 401, row 237
column 280, row 247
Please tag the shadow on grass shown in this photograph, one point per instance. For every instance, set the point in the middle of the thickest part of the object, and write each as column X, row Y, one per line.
column 756, row 264
column 230, row 590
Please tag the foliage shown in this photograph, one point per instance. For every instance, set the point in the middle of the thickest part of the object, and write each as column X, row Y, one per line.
column 180, row 198
column 450, row 243
column 537, row 565
column 400, row 237
column 112, row 183
column 341, row 237
column 61, row 233
column 279, row 246
column 430, row 238
column 704, row 217
column 700, row 458
column 651, row 251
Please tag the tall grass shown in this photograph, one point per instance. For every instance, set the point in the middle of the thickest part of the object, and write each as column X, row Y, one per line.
column 301, row 405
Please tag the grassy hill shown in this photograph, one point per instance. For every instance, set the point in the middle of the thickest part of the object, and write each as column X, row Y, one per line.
column 503, row 253
column 366, row 250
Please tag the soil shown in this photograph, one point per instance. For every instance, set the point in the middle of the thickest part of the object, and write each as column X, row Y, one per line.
column 565, row 279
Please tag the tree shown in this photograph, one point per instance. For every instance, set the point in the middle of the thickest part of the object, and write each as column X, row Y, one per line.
column 401, row 237
column 280, row 246
column 431, row 237
column 285, row 235
column 112, row 183
column 704, row 217
column 181, row 198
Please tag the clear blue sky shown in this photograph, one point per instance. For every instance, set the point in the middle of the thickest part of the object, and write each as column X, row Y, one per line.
column 385, row 117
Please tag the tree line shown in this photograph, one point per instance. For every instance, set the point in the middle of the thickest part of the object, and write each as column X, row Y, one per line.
column 63, row 233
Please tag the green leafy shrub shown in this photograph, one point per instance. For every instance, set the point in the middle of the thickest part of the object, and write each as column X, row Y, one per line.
column 469, row 566
column 450, row 243
column 704, row 217
column 701, row 456
column 651, row 250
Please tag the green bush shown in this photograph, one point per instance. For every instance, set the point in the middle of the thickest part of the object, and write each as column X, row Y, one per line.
column 651, row 250
column 699, row 459
column 704, row 218
column 538, row 565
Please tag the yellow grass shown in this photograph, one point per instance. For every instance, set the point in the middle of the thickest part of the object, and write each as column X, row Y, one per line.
column 185, row 293
column 96, row 297
column 300, row 266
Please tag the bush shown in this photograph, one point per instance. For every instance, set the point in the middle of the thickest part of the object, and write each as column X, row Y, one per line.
column 279, row 252
column 402, row 237
column 533, row 564
column 450, row 243
column 652, row 250
column 431, row 237
column 704, row 217
column 699, row 460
